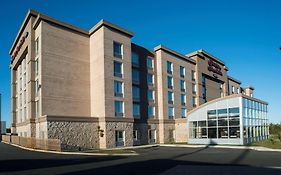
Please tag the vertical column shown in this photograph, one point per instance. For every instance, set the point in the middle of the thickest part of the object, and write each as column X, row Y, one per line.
column 13, row 100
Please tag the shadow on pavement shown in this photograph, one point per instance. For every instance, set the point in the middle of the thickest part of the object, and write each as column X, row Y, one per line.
column 32, row 164
column 174, row 167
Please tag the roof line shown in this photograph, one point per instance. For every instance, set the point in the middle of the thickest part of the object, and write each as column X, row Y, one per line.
column 161, row 47
column 24, row 23
column 110, row 25
column 233, row 79
column 205, row 53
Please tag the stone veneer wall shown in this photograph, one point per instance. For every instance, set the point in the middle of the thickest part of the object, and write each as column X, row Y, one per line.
column 142, row 133
column 167, row 128
column 74, row 135
column 111, row 127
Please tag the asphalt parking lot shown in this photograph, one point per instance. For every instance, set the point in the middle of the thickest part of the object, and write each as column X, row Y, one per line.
column 155, row 160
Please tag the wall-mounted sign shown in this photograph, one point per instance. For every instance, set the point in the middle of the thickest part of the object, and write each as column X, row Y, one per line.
column 214, row 67
column 21, row 41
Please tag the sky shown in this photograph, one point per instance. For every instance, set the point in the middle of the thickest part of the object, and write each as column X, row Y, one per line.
column 246, row 35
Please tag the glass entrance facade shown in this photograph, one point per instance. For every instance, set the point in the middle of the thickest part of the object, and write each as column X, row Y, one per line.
column 238, row 120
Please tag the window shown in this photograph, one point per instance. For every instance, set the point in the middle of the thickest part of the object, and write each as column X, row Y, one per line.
column 193, row 88
column 119, row 138
column 118, row 69
column 233, row 89
column 183, row 100
column 150, row 80
column 151, row 111
column 238, row 90
column 135, row 135
column 182, row 84
column 118, row 106
column 135, row 59
column 117, row 49
column 37, row 108
column 149, row 63
column 136, row 93
column 118, row 88
column 150, row 95
column 169, row 67
column 183, row 113
column 136, row 110
column 170, row 97
column 36, row 87
column 170, row 82
column 135, row 76
column 36, row 46
column 171, row 112
column 221, row 86
column 193, row 75
column 194, row 101
column 37, row 66
column 182, row 71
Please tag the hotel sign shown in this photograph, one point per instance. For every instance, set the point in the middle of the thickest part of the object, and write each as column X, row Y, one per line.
column 21, row 42
column 214, row 67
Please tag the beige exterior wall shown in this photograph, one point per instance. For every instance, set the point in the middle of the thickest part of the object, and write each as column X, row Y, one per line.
column 65, row 72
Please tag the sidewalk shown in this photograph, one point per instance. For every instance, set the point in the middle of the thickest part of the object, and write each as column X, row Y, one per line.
column 256, row 148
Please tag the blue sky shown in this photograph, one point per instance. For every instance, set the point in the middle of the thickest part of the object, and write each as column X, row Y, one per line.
column 246, row 35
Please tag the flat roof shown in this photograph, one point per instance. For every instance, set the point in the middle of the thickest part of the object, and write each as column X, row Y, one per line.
column 39, row 17
column 233, row 79
column 201, row 51
column 161, row 47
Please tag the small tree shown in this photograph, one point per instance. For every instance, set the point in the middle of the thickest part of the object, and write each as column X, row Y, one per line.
column 271, row 139
column 279, row 136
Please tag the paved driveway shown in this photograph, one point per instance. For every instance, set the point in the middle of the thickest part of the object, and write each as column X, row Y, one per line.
column 156, row 160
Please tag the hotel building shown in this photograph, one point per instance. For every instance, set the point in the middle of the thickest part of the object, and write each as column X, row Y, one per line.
column 96, row 89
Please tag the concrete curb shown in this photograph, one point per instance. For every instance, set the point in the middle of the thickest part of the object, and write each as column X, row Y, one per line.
column 256, row 148
column 72, row 153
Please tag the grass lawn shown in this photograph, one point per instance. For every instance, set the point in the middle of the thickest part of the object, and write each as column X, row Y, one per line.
column 268, row 144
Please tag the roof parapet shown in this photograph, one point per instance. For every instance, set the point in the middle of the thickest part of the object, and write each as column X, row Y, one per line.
column 110, row 25
column 161, row 47
column 233, row 79
column 202, row 52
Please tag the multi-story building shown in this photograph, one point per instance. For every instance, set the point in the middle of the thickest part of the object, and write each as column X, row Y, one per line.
column 97, row 89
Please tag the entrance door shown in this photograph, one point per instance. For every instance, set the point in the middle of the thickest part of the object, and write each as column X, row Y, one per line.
column 120, row 138
column 152, row 136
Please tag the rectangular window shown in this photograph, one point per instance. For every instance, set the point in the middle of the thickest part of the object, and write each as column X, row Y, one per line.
column 118, row 88
column 120, row 138
column 135, row 59
column 194, row 101
column 193, row 88
column 36, row 46
column 118, row 106
column 37, row 66
column 170, row 82
column 182, row 71
column 151, row 111
column 170, row 97
column 150, row 80
column 37, row 108
column 183, row 99
column 37, row 88
column 193, row 75
column 183, row 113
column 136, row 110
column 135, row 135
column 135, row 76
column 136, row 93
column 182, row 84
column 149, row 63
column 238, row 90
column 117, row 49
column 118, row 69
column 169, row 67
column 171, row 112
column 233, row 89
column 150, row 95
